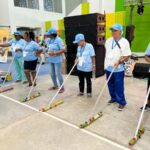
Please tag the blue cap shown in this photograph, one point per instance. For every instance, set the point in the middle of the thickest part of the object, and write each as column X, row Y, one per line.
column 79, row 37
column 17, row 33
column 52, row 31
column 117, row 27
column 47, row 33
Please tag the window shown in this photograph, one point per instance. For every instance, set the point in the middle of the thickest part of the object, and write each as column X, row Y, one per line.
column 48, row 5
column 20, row 3
column 33, row 4
column 53, row 5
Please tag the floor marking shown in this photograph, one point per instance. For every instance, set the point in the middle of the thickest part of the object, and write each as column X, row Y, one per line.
column 68, row 123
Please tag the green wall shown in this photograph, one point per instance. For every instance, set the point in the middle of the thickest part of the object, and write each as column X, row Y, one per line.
column 142, row 29
column 119, row 5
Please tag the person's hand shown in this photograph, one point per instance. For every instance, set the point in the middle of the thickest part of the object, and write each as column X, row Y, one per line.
column 76, row 61
column 116, row 65
column 17, row 49
column 52, row 54
column 94, row 68
column 39, row 52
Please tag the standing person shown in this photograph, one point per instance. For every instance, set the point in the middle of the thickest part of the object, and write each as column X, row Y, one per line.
column 30, row 52
column 86, row 63
column 17, row 45
column 117, row 52
column 56, row 49
column 147, row 58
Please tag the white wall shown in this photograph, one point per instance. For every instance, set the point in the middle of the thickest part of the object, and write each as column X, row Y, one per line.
column 4, row 14
column 96, row 6
column 24, row 17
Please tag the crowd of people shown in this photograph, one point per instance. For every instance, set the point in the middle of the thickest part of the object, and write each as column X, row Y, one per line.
column 26, row 52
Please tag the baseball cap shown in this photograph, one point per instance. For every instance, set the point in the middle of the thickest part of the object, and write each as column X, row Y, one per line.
column 78, row 38
column 52, row 31
column 17, row 33
column 117, row 27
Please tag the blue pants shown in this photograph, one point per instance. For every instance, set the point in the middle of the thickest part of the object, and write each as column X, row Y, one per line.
column 19, row 68
column 56, row 72
column 116, row 87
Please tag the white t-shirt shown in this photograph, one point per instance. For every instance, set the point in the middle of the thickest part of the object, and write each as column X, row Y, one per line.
column 114, row 53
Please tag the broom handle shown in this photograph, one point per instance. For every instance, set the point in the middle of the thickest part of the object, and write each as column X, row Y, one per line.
column 8, row 70
column 62, row 84
column 32, row 87
column 142, row 113
column 101, row 92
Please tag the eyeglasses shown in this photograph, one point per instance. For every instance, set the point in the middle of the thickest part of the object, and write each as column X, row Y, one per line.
column 114, row 30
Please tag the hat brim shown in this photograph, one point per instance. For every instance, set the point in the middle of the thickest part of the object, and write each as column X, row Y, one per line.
column 112, row 28
column 17, row 34
column 75, row 42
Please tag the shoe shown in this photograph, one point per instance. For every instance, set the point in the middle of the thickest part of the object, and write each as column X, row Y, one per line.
column 24, row 82
column 18, row 81
column 89, row 95
column 121, row 107
column 111, row 102
column 147, row 107
column 80, row 94
column 61, row 90
column 30, row 84
column 53, row 88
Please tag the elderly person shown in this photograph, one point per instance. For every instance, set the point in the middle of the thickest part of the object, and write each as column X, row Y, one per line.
column 86, row 63
column 17, row 45
column 117, row 52
column 56, row 49
column 147, row 58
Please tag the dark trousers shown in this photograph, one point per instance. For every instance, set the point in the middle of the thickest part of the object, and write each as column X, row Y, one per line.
column 116, row 87
column 148, row 84
column 82, row 76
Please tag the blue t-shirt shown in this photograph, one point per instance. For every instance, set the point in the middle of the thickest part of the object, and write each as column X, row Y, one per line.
column 17, row 44
column 148, row 50
column 55, row 45
column 29, row 51
column 85, row 53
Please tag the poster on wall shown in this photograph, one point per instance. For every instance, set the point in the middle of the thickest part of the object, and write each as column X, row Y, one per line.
column 4, row 38
column 3, row 59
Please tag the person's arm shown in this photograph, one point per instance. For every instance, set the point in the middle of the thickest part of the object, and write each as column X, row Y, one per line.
column 126, row 54
column 5, row 45
column 147, row 58
column 94, row 63
column 61, row 51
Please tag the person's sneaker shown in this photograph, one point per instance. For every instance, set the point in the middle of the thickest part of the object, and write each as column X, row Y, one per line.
column 61, row 90
column 80, row 94
column 53, row 88
column 121, row 107
column 25, row 82
column 89, row 95
column 147, row 107
column 17, row 81
column 111, row 102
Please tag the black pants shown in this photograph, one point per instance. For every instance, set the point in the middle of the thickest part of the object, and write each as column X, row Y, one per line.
column 148, row 84
column 82, row 76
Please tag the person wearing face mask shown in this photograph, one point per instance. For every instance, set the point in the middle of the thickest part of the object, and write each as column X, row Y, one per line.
column 117, row 52
column 86, row 63
column 17, row 45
